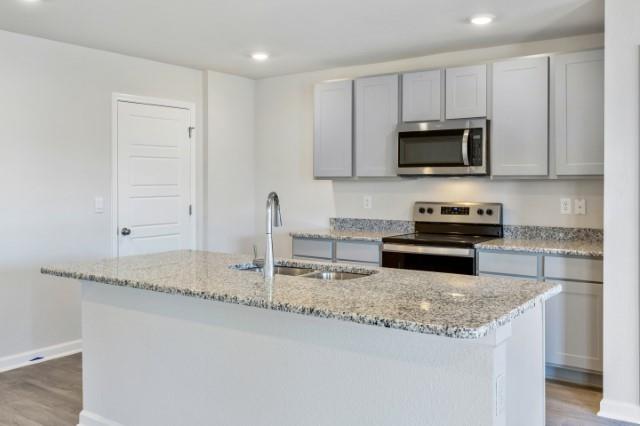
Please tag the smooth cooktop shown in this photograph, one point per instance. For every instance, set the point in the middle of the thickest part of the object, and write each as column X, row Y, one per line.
column 448, row 240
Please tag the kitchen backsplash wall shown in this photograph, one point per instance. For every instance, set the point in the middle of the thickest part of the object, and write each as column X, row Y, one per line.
column 525, row 202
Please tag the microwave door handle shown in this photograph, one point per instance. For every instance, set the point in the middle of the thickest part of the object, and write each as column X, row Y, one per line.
column 465, row 147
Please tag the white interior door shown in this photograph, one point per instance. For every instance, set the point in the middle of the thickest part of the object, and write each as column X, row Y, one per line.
column 153, row 178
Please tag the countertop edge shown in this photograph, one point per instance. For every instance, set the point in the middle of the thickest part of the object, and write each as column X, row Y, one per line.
column 467, row 333
column 539, row 250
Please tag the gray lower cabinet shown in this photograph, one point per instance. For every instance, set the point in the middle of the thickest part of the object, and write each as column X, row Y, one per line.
column 333, row 135
column 578, row 112
column 519, row 129
column 376, row 118
column 345, row 251
column 573, row 318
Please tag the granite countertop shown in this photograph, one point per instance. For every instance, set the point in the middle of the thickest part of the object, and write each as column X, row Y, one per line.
column 545, row 246
column 458, row 306
column 333, row 234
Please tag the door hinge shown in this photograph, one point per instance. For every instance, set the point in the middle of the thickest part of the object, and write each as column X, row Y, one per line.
column 190, row 209
column 191, row 129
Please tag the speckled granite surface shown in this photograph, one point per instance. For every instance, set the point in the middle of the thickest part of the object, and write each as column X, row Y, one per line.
column 564, row 248
column 548, row 240
column 554, row 233
column 395, row 227
column 332, row 234
column 457, row 306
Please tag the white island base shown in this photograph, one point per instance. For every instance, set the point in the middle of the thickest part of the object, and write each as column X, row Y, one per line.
column 153, row 359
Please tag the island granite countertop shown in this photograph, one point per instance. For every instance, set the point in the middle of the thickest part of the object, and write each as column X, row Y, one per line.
column 451, row 305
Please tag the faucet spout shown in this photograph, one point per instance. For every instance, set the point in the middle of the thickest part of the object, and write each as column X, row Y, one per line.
column 274, row 218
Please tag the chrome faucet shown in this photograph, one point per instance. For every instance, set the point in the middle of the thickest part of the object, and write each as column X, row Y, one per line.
column 274, row 218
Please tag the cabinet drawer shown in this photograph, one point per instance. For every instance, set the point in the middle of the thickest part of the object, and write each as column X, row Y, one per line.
column 573, row 268
column 508, row 263
column 307, row 247
column 358, row 251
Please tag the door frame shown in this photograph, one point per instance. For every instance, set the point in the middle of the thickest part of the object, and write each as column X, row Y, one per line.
column 145, row 100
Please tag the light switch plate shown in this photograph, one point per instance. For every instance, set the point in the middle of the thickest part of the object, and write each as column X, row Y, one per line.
column 99, row 205
column 565, row 205
column 367, row 201
column 580, row 206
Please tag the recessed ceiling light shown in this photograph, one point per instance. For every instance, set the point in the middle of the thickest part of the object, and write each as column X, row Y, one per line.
column 260, row 56
column 31, row 1
column 482, row 19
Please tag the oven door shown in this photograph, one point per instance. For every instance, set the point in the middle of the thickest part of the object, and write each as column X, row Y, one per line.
column 443, row 148
column 429, row 258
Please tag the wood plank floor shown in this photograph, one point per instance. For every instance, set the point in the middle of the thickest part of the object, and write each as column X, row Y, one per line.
column 45, row 394
column 50, row 394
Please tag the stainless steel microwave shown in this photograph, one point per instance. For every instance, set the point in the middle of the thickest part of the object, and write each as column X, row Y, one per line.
column 453, row 147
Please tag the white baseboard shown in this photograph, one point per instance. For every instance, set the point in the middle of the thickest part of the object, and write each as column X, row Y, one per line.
column 87, row 418
column 617, row 410
column 50, row 352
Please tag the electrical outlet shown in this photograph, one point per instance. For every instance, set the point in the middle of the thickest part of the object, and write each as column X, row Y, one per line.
column 565, row 205
column 580, row 206
column 367, row 201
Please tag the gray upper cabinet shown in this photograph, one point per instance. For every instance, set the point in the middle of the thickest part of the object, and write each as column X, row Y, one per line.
column 376, row 109
column 466, row 92
column 421, row 96
column 519, row 129
column 578, row 103
column 333, row 129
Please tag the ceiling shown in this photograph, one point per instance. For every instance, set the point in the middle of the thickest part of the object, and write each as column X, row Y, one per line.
column 300, row 35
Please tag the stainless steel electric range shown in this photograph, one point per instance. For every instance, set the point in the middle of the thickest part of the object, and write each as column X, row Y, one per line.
column 445, row 236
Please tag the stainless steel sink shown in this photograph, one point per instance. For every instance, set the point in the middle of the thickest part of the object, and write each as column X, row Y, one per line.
column 332, row 275
column 281, row 270
column 305, row 272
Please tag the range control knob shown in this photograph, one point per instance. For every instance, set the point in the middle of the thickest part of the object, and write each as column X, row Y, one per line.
column 489, row 212
column 421, row 210
column 480, row 212
column 430, row 210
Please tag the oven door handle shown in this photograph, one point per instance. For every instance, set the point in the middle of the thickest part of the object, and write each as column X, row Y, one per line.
column 465, row 147
column 440, row 251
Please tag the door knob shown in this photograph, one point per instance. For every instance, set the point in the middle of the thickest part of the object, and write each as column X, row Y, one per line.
column 125, row 231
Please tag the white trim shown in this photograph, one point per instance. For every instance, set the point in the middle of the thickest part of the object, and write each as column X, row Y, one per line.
column 87, row 418
column 191, row 107
column 618, row 410
column 48, row 353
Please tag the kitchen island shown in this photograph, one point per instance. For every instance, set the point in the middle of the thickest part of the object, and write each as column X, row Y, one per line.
column 189, row 337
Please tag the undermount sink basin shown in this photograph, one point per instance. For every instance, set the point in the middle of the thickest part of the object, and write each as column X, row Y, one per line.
column 280, row 270
column 332, row 275
column 305, row 272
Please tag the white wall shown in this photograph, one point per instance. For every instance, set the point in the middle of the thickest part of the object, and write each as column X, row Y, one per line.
column 621, row 276
column 230, row 157
column 55, row 134
column 284, row 150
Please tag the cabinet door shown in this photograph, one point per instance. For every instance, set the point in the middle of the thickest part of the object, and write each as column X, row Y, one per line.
column 376, row 107
column 333, row 129
column 519, row 129
column 466, row 92
column 578, row 101
column 421, row 95
column 574, row 326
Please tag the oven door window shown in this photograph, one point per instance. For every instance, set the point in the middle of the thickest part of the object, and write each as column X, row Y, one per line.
column 440, row 148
